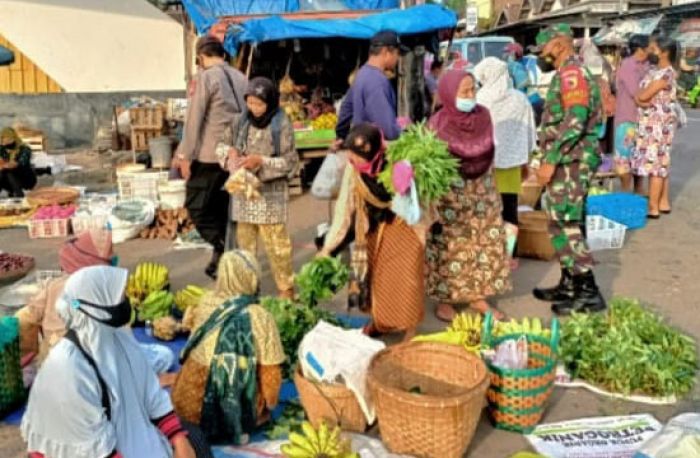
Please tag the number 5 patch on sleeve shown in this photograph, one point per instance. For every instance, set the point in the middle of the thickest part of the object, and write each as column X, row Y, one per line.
column 574, row 87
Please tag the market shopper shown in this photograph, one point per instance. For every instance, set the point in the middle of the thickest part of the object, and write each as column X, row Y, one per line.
column 96, row 394
column 431, row 82
column 627, row 81
column 517, row 71
column 373, row 97
column 466, row 254
column 231, row 374
column 657, row 124
column 263, row 143
column 217, row 98
column 40, row 325
column 570, row 156
column 514, row 125
column 16, row 173
column 387, row 255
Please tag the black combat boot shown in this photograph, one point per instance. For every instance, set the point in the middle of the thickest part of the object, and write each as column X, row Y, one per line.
column 213, row 266
column 562, row 292
column 587, row 297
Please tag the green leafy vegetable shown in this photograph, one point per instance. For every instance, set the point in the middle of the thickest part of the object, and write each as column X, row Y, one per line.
column 294, row 321
column 630, row 350
column 320, row 279
column 288, row 422
column 434, row 168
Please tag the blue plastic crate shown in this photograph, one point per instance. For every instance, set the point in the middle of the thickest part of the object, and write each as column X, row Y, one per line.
column 628, row 209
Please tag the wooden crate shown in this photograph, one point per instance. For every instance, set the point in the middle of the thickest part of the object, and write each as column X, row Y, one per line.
column 147, row 118
column 141, row 137
column 34, row 139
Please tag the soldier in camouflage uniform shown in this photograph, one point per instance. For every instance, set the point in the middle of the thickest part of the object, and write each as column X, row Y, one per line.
column 571, row 122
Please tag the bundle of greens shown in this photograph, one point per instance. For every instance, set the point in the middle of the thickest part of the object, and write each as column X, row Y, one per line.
column 294, row 321
column 630, row 350
column 434, row 168
column 288, row 422
column 320, row 279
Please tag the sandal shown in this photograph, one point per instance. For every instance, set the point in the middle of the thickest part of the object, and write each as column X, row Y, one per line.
column 484, row 308
column 445, row 312
column 370, row 331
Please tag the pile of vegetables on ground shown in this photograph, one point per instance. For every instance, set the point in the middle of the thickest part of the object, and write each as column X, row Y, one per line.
column 630, row 350
column 434, row 168
column 167, row 224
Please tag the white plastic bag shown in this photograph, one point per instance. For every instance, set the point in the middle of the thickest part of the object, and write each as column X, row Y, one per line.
column 123, row 230
column 511, row 354
column 680, row 438
column 327, row 182
column 408, row 206
column 331, row 354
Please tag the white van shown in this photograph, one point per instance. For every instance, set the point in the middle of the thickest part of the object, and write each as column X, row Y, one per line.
column 474, row 49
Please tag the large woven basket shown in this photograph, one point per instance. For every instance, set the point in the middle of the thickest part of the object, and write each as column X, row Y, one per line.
column 61, row 195
column 429, row 397
column 333, row 403
column 518, row 397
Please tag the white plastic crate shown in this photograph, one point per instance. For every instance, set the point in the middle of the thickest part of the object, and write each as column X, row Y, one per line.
column 85, row 223
column 604, row 234
column 140, row 185
column 48, row 228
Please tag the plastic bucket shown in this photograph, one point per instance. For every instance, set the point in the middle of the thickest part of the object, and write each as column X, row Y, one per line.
column 161, row 152
column 172, row 194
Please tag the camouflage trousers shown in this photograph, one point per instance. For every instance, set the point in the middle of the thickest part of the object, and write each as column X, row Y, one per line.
column 565, row 201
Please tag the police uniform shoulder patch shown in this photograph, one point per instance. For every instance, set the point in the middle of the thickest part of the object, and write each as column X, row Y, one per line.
column 574, row 86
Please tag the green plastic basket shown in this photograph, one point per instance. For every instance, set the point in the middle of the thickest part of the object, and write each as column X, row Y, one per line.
column 314, row 139
column 12, row 391
column 518, row 397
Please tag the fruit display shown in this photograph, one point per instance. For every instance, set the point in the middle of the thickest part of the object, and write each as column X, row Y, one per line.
column 188, row 297
column 324, row 443
column 326, row 121
column 532, row 326
column 14, row 264
column 244, row 184
column 290, row 100
column 464, row 330
column 54, row 212
column 148, row 278
column 157, row 304
column 166, row 328
column 168, row 224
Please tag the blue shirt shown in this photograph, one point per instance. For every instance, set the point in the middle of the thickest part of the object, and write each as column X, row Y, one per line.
column 374, row 101
column 519, row 75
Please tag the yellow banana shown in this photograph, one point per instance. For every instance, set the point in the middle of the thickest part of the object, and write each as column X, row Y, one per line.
column 323, row 436
column 302, row 442
column 311, row 435
column 291, row 451
column 537, row 326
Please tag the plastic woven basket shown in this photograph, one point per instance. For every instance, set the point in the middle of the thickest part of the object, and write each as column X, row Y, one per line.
column 518, row 397
column 604, row 234
column 628, row 209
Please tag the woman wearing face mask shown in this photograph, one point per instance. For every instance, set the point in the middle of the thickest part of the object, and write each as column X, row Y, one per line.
column 657, row 124
column 96, row 396
column 16, row 173
column 387, row 254
column 263, row 143
column 466, row 251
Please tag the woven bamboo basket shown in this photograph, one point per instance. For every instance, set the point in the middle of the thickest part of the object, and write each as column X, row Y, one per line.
column 60, row 195
column 518, row 397
column 333, row 403
column 429, row 398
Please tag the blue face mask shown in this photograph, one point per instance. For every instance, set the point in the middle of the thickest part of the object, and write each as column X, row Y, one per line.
column 465, row 105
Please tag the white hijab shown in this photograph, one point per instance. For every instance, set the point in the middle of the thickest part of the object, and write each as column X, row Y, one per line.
column 511, row 113
column 65, row 418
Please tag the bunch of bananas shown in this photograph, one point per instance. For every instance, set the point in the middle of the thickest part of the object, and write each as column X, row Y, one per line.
column 188, row 297
column 526, row 326
column 324, row 443
column 148, row 278
column 464, row 330
column 326, row 121
column 158, row 304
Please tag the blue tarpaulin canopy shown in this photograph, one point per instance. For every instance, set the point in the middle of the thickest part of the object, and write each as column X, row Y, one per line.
column 412, row 21
column 204, row 13
column 6, row 56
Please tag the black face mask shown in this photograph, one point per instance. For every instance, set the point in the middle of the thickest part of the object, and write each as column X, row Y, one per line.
column 12, row 145
column 545, row 63
column 653, row 59
column 119, row 315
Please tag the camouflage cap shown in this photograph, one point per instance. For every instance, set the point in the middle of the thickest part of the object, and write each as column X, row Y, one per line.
column 548, row 34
